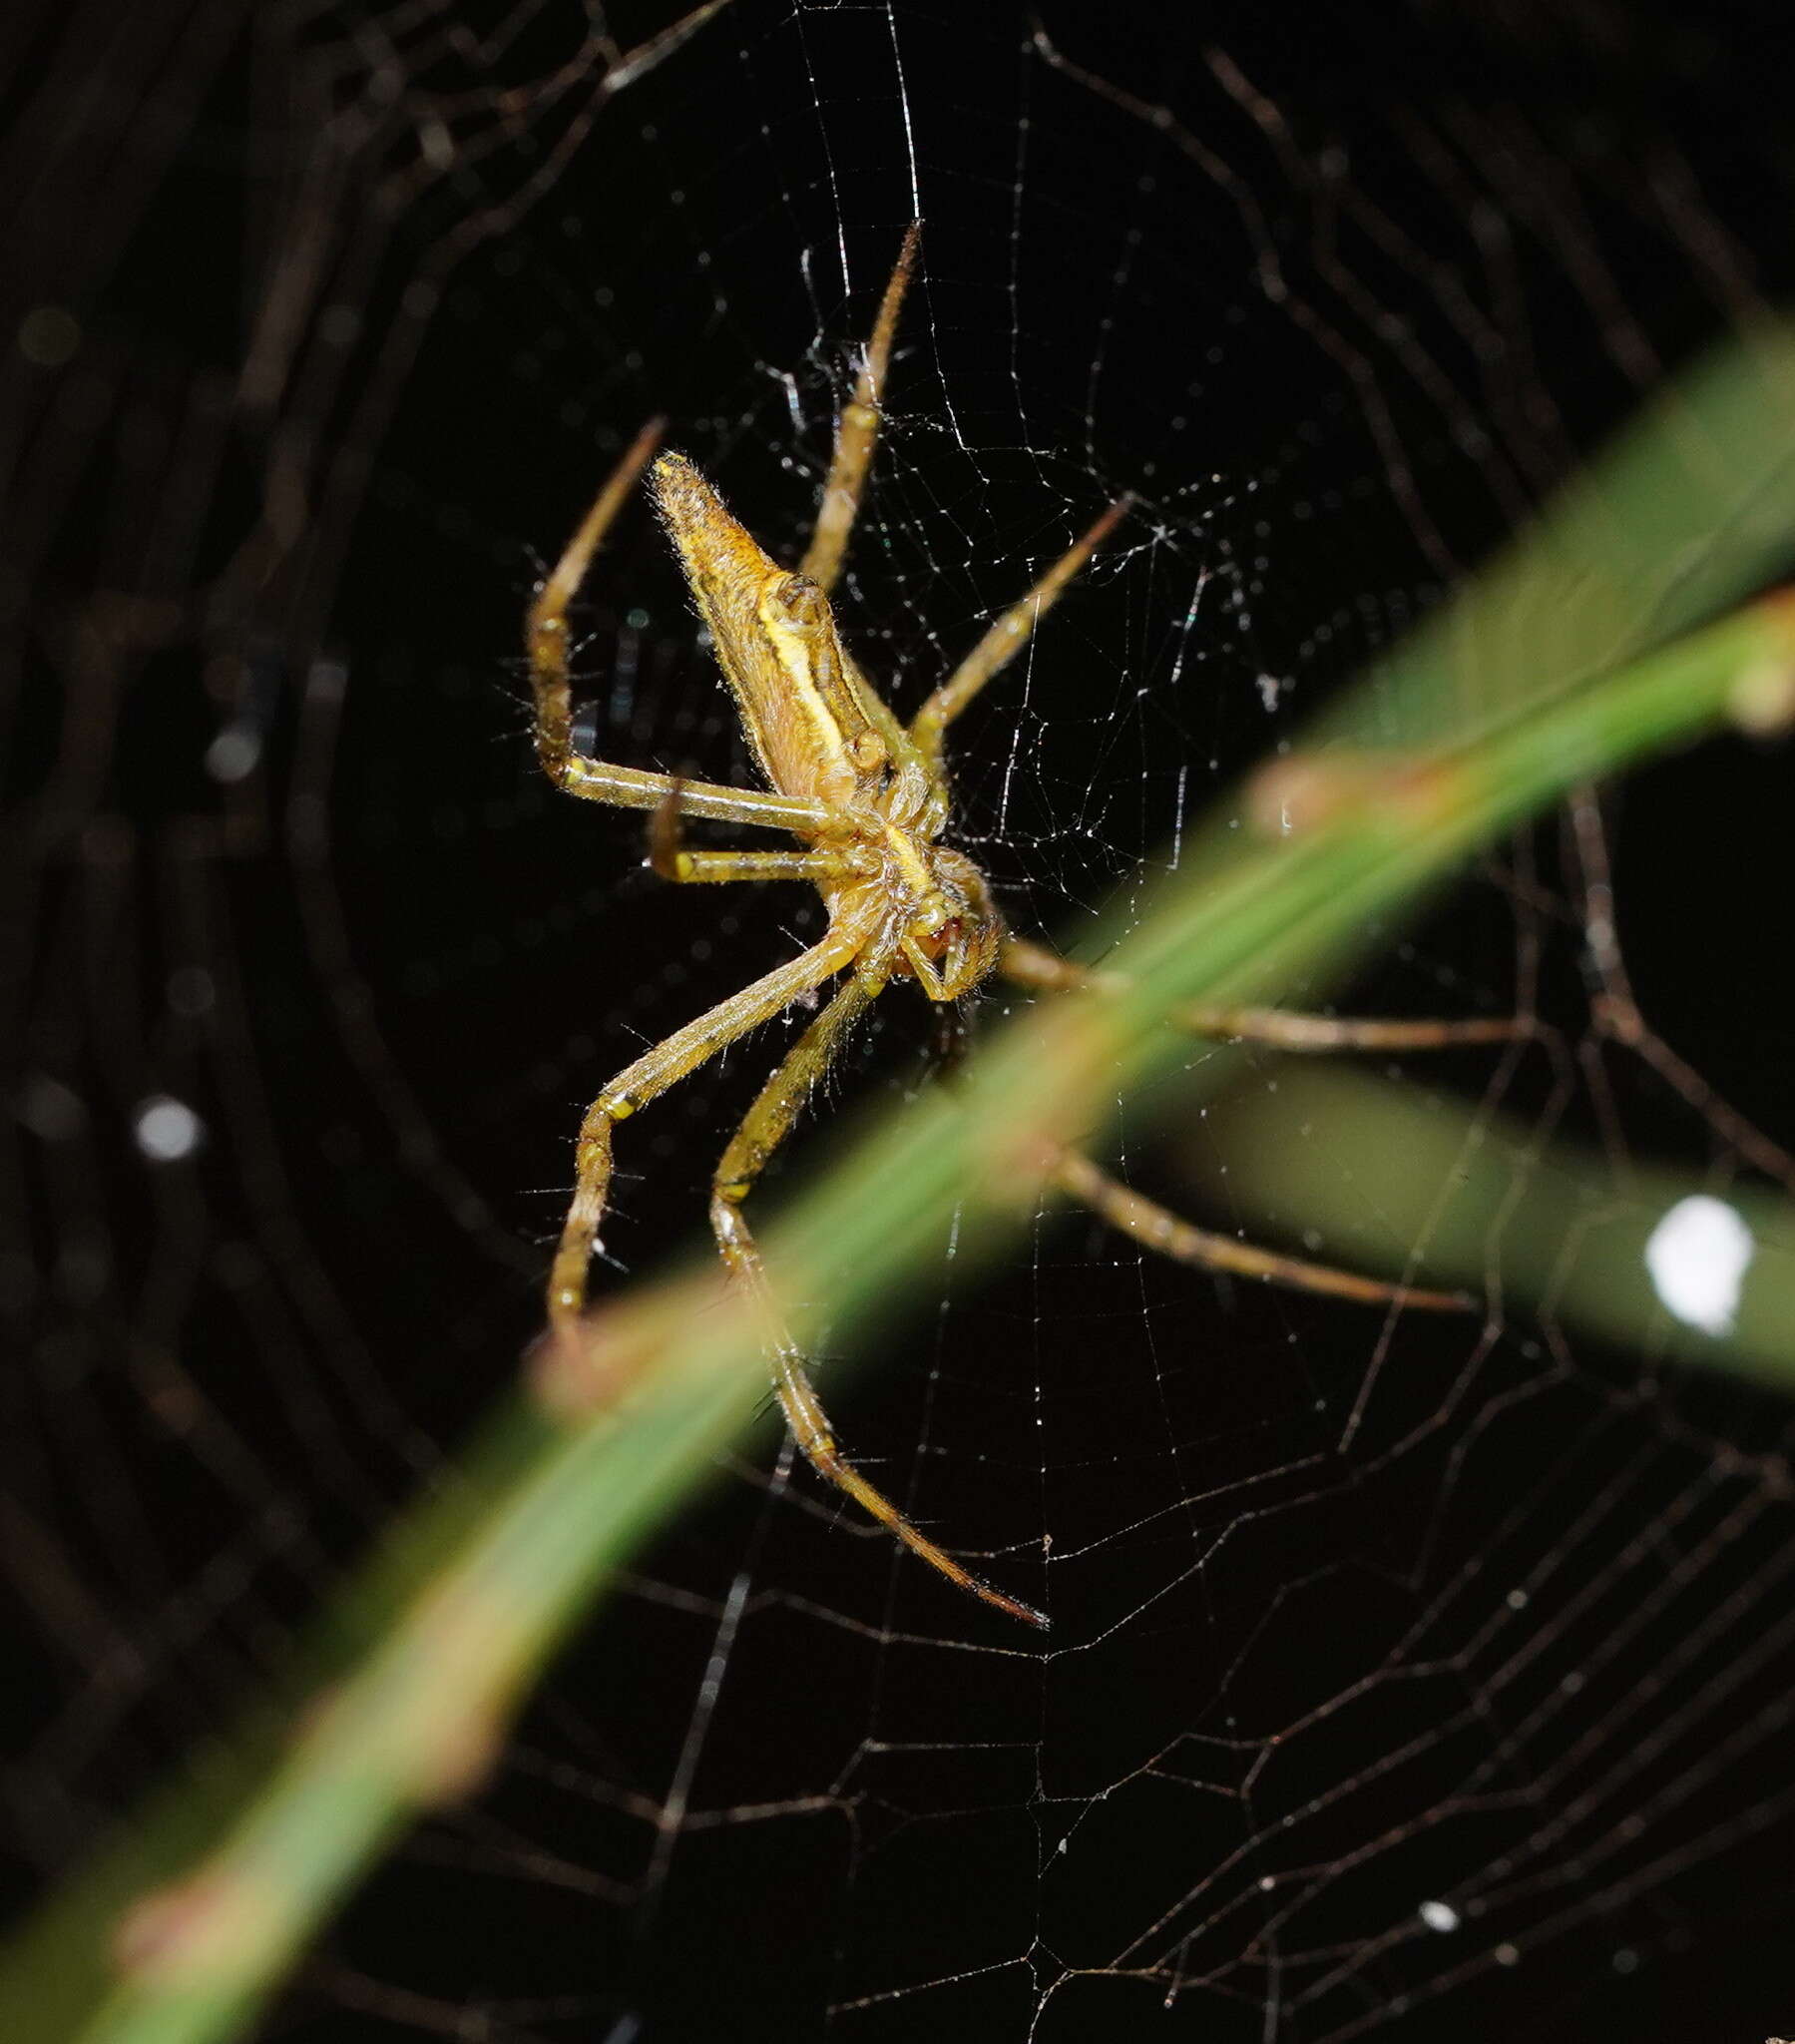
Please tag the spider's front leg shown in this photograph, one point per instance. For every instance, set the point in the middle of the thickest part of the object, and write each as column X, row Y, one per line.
column 764, row 1127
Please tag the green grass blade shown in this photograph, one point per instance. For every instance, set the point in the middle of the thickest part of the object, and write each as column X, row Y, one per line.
column 1563, row 1228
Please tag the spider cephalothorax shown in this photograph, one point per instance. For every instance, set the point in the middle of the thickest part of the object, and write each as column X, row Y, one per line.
column 819, row 728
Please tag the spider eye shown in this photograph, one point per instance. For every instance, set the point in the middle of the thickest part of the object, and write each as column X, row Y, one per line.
column 797, row 600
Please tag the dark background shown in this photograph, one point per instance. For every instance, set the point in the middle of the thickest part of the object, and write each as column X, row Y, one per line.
column 366, row 302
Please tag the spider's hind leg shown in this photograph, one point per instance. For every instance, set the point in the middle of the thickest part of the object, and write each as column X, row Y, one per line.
column 670, row 857
column 766, row 1124
column 650, row 1076
column 1034, row 965
column 546, row 635
column 546, row 638
column 1157, row 1227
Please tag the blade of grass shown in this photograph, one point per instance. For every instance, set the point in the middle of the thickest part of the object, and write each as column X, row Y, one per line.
column 1376, row 1167
column 1689, row 507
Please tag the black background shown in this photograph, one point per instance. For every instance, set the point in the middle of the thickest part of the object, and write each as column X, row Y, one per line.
column 229, row 1373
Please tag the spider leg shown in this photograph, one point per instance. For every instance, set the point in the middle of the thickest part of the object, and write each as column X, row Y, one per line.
column 546, row 639
column 633, row 788
column 669, row 857
column 648, row 1077
column 1034, row 966
column 1006, row 639
column 764, row 1127
column 749, row 865
column 1158, row 1228
column 857, row 433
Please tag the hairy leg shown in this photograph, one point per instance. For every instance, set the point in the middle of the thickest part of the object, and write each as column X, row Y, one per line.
column 1030, row 964
column 857, row 434
column 670, row 858
column 763, row 1128
column 1157, row 1227
column 545, row 641
column 648, row 1077
column 1006, row 639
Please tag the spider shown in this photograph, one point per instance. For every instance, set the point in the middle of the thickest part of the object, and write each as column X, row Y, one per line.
column 869, row 799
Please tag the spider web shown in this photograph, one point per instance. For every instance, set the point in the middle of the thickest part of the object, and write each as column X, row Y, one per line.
column 1413, row 1677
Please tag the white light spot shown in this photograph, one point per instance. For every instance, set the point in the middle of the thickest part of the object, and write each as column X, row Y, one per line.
column 1439, row 1915
column 1697, row 1257
column 232, row 754
column 167, row 1130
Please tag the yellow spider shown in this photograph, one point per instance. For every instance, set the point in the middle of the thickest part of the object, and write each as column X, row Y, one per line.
column 869, row 798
